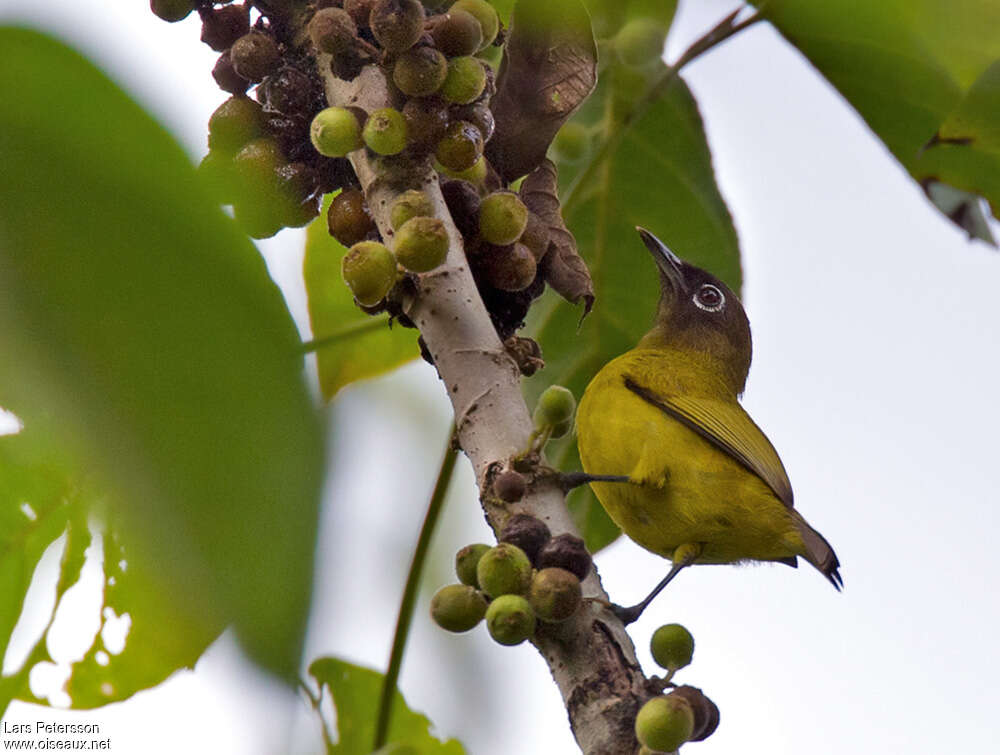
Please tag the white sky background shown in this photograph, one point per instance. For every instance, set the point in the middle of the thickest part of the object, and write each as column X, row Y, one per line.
column 876, row 328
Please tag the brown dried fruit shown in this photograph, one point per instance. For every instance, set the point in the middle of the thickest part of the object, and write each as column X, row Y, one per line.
column 567, row 552
column 396, row 24
column 348, row 218
column 523, row 530
column 223, row 26
column 255, row 55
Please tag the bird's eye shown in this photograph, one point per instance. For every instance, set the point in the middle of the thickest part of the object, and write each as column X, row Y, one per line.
column 709, row 298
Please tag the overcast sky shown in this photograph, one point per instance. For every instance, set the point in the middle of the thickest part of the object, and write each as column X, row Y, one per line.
column 876, row 326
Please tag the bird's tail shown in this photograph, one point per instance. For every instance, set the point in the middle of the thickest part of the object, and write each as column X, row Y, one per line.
column 819, row 553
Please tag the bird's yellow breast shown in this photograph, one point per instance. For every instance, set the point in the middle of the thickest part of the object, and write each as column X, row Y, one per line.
column 683, row 488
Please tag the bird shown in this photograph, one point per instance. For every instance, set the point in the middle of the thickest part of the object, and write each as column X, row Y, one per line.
column 670, row 453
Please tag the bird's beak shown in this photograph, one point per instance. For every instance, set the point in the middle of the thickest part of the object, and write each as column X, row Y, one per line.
column 671, row 266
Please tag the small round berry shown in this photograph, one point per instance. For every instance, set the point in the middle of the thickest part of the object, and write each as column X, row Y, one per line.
column 335, row 132
column 369, row 269
column 226, row 77
column 572, row 143
column 234, row 123
column 466, row 562
column 426, row 120
column 664, row 723
column 289, row 91
column 420, row 71
column 421, row 244
column 457, row 33
column 502, row 218
column 640, row 42
column 555, row 405
column 465, row 80
column 223, row 26
column 171, row 10
column 460, row 147
column 216, row 172
column 525, row 531
column 332, row 30
column 410, row 204
column 257, row 163
column 348, row 219
column 672, row 646
column 255, row 55
column 487, row 16
column 509, row 486
column 385, row 131
column 508, row 268
column 479, row 115
column 706, row 713
column 510, row 620
column 504, row 570
column 536, row 236
column 567, row 552
column 458, row 608
column 555, row 594
column 396, row 24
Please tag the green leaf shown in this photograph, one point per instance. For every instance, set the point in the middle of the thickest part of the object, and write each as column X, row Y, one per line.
column 658, row 175
column 356, row 692
column 143, row 338
column 920, row 72
column 352, row 345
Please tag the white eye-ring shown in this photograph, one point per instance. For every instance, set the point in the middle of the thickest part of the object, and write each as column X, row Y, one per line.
column 709, row 298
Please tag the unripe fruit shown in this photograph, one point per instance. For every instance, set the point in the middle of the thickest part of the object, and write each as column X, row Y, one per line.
column 426, row 121
column 536, row 236
column 234, row 123
column 463, row 206
column 465, row 80
column 509, row 268
column 421, row 244
column 216, row 171
column 171, row 10
column 369, row 269
column 502, row 218
column 457, row 33
column 397, row 748
column 458, row 608
column 664, row 723
column 509, row 486
column 226, row 77
column 567, row 552
column 561, row 428
column 257, row 162
column 572, row 143
column 555, row 405
column 348, row 219
column 487, row 16
column 672, row 646
column 420, row 71
column 385, row 131
column 223, row 26
column 640, row 42
column 555, row 594
column 510, row 620
column 335, row 132
column 396, row 24
column 466, row 562
column 706, row 713
column 460, row 147
column 525, row 531
column 333, row 30
column 257, row 217
column 504, row 570
column 410, row 204
column 254, row 55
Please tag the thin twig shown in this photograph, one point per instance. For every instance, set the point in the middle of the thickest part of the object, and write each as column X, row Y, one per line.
column 354, row 329
column 409, row 599
column 714, row 36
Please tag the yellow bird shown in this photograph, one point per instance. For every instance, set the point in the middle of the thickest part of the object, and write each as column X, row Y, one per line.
column 697, row 480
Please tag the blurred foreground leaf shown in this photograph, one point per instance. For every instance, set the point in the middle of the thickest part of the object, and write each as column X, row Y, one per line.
column 144, row 342
column 356, row 692
column 354, row 346
column 922, row 73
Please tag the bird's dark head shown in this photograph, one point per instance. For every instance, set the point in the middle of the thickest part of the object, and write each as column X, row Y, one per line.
column 699, row 315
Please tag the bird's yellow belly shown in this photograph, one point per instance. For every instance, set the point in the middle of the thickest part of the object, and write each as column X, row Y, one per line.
column 684, row 489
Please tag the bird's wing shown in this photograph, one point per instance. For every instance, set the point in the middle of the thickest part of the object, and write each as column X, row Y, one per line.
column 727, row 426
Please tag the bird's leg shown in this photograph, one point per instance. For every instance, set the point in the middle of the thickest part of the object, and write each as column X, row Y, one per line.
column 569, row 480
column 684, row 556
